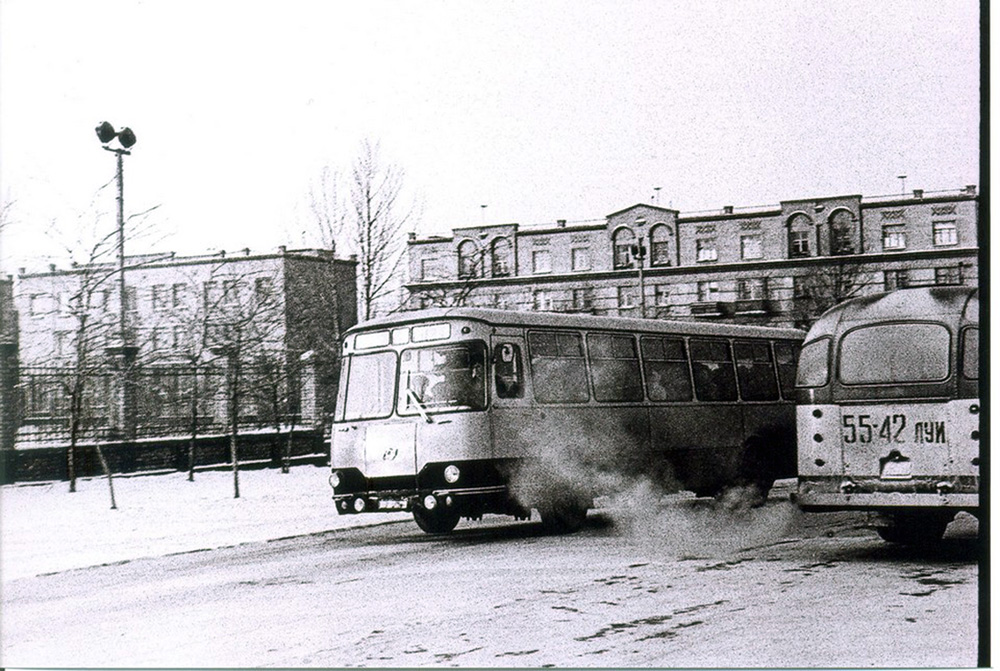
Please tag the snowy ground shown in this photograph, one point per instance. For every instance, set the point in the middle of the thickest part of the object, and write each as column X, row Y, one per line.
column 46, row 529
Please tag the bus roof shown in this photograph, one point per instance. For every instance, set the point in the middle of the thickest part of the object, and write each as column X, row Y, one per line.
column 577, row 321
column 953, row 305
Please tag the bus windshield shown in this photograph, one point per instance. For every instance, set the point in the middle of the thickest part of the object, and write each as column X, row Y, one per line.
column 371, row 382
column 893, row 353
column 445, row 377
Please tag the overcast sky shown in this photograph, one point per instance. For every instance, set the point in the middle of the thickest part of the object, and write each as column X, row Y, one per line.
column 541, row 110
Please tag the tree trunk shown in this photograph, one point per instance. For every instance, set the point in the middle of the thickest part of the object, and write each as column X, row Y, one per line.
column 194, row 423
column 107, row 472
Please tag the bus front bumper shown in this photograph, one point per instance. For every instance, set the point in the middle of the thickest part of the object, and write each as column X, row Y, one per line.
column 465, row 498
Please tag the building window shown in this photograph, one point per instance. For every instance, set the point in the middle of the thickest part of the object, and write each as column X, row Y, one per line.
column 754, row 289
column 263, row 289
column 751, row 247
column 541, row 261
column 62, row 343
column 501, row 257
column 180, row 337
column 159, row 297
column 543, row 300
column 945, row 233
column 582, row 299
column 177, row 292
column 894, row 237
column 623, row 240
column 427, row 269
column 800, row 230
column 628, row 297
column 659, row 245
column 231, row 292
column 467, row 262
column 706, row 250
column 210, row 291
column 798, row 244
column 896, row 279
column 948, row 275
column 841, row 233
column 661, row 295
column 580, row 257
column 708, row 291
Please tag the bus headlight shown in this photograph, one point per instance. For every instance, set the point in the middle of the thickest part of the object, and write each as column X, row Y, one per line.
column 359, row 504
column 451, row 474
column 335, row 479
column 430, row 503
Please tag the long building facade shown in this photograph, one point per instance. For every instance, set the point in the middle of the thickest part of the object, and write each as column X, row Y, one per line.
column 188, row 322
column 779, row 265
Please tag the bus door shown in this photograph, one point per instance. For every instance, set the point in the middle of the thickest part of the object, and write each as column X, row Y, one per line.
column 511, row 411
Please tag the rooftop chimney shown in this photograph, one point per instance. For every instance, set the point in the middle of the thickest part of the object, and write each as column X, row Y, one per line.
column 52, row 267
column 246, row 251
column 970, row 189
column 561, row 223
column 727, row 209
column 412, row 236
column 282, row 249
column 918, row 193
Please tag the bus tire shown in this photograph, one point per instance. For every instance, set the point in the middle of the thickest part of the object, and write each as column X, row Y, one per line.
column 563, row 516
column 910, row 529
column 435, row 521
column 756, row 469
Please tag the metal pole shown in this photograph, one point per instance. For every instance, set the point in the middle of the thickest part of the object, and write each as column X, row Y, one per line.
column 121, row 250
column 642, row 285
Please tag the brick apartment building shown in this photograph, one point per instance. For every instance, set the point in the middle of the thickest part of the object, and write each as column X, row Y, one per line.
column 272, row 308
column 779, row 265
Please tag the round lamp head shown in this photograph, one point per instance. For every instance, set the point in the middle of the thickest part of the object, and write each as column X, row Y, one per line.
column 126, row 137
column 105, row 132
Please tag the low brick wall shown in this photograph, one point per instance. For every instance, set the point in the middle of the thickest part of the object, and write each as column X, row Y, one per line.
column 253, row 450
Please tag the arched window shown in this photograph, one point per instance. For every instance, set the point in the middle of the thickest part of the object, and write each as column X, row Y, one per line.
column 623, row 241
column 501, row 257
column 800, row 235
column 468, row 260
column 660, row 239
column 841, row 233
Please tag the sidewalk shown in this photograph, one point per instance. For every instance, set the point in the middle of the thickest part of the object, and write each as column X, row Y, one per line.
column 44, row 528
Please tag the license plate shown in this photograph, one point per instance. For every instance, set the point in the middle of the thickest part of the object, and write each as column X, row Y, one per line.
column 896, row 428
column 897, row 470
column 390, row 504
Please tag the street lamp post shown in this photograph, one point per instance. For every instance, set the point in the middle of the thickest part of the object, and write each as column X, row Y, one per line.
column 126, row 138
column 639, row 253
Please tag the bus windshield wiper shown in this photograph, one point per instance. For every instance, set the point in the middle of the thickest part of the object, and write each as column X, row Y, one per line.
column 420, row 406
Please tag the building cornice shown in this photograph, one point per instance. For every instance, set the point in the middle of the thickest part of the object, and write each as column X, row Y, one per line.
column 704, row 269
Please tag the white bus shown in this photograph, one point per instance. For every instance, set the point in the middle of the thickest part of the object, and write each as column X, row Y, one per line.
column 453, row 413
column 888, row 416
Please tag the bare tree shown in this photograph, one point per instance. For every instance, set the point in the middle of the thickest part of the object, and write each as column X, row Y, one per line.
column 368, row 222
column 825, row 287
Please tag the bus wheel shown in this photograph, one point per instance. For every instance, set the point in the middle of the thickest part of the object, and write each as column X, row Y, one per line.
column 563, row 516
column 435, row 521
column 914, row 529
column 755, row 473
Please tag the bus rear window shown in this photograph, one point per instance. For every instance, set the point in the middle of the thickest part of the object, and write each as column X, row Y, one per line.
column 814, row 364
column 785, row 355
column 895, row 353
column 970, row 353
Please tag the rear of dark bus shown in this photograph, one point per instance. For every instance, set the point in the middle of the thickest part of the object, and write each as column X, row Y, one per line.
column 888, row 414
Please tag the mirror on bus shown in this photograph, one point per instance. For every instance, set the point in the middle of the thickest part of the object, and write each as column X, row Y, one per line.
column 507, row 370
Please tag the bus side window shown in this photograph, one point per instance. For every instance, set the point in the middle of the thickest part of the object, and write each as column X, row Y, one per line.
column 786, row 353
column 712, row 365
column 756, row 371
column 665, row 363
column 507, row 370
column 558, row 369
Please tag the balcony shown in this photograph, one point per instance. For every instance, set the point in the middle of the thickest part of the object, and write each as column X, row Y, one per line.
column 708, row 309
column 753, row 306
